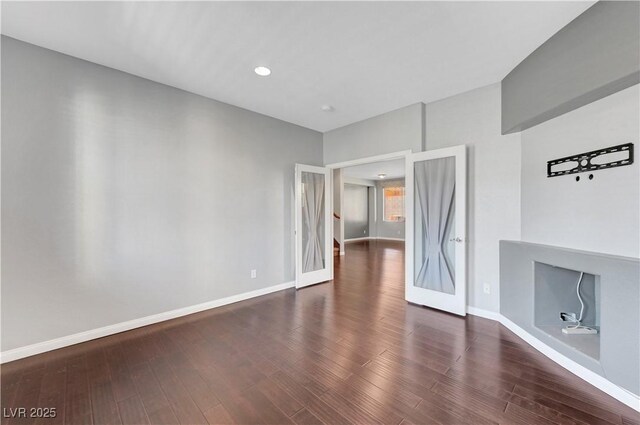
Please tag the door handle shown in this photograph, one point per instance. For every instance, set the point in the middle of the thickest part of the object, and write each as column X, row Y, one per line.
column 457, row 239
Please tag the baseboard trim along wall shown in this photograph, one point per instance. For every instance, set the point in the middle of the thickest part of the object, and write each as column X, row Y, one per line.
column 65, row 341
column 577, row 369
column 372, row 238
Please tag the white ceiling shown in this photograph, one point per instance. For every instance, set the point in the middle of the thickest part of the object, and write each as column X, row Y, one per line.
column 363, row 58
column 393, row 169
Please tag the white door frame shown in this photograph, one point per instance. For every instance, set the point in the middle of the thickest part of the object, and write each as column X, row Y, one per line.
column 370, row 159
column 457, row 303
column 325, row 274
column 360, row 161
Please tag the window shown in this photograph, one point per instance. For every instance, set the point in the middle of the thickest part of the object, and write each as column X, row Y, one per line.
column 393, row 204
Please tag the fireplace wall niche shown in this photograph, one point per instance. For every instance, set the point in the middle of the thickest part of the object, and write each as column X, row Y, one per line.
column 537, row 282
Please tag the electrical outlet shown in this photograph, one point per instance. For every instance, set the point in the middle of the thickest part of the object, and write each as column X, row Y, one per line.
column 568, row 317
column 486, row 288
column 254, row 274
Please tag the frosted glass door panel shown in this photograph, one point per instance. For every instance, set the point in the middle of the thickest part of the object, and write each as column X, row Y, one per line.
column 435, row 259
column 434, row 224
column 314, row 225
column 313, row 221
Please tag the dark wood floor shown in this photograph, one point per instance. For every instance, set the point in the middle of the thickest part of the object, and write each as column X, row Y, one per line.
column 351, row 351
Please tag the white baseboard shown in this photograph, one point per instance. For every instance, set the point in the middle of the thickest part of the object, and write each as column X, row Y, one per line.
column 373, row 238
column 620, row 394
column 491, row 315
column 65, row 341
column 357, row 239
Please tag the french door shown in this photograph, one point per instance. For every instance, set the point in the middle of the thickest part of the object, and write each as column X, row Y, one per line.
column 313, row 221
column 435, row 254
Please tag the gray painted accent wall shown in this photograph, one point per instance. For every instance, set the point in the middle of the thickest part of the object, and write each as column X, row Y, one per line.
column 394, row 131
column 594, row 56
column 599, row 215
column 373, row 213
column 123, row 198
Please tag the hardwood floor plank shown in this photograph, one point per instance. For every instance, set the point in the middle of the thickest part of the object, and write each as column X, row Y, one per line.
column 518, row 416
column 148, row 388
column 383, row 390
column 371, row 399
column 77, row 400
column 314, row 404
column 351, row 411
column 183, row 406
column 448, row 413
column 479, row 401
column 567, row 405
column 132, row 411
column 546, row 412
column 163, row 416
column 632, row 419
column 253, row 407
column 304, row 417
column 484, row 382
column 218, row 415
column 280, row 398
column 103, row 405
column 27, row 396
column 51, row 396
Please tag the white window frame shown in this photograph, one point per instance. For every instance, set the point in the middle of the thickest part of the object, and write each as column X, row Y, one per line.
column 404, row 205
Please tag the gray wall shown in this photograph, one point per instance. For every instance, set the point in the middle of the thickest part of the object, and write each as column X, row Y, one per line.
column 356, row 211
column 123, row 198
column 599, row 215
column 493, row 182
column 373, row 212
column 387, row 229
column 391, row 132
column 595, row 55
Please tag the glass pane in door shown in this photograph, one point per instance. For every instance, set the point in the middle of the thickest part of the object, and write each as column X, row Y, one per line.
column 434, row 224
column 313, row 199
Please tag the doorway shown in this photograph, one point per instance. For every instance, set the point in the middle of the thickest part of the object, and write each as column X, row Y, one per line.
column 428, row 209
column 362, row 176
column 372, row 203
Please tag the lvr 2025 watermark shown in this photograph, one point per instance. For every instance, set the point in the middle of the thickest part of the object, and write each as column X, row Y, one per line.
column 33, row 412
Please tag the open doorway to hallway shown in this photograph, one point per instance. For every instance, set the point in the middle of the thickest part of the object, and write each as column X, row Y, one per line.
column 430, row 205
column 369, row 204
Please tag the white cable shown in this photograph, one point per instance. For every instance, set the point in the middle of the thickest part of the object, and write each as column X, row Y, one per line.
column 580, row 297
column 579, row 324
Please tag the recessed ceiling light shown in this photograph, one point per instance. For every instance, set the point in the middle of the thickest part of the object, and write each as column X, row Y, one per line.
column 382, row 176
column 262, row 71
column 327, row 108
